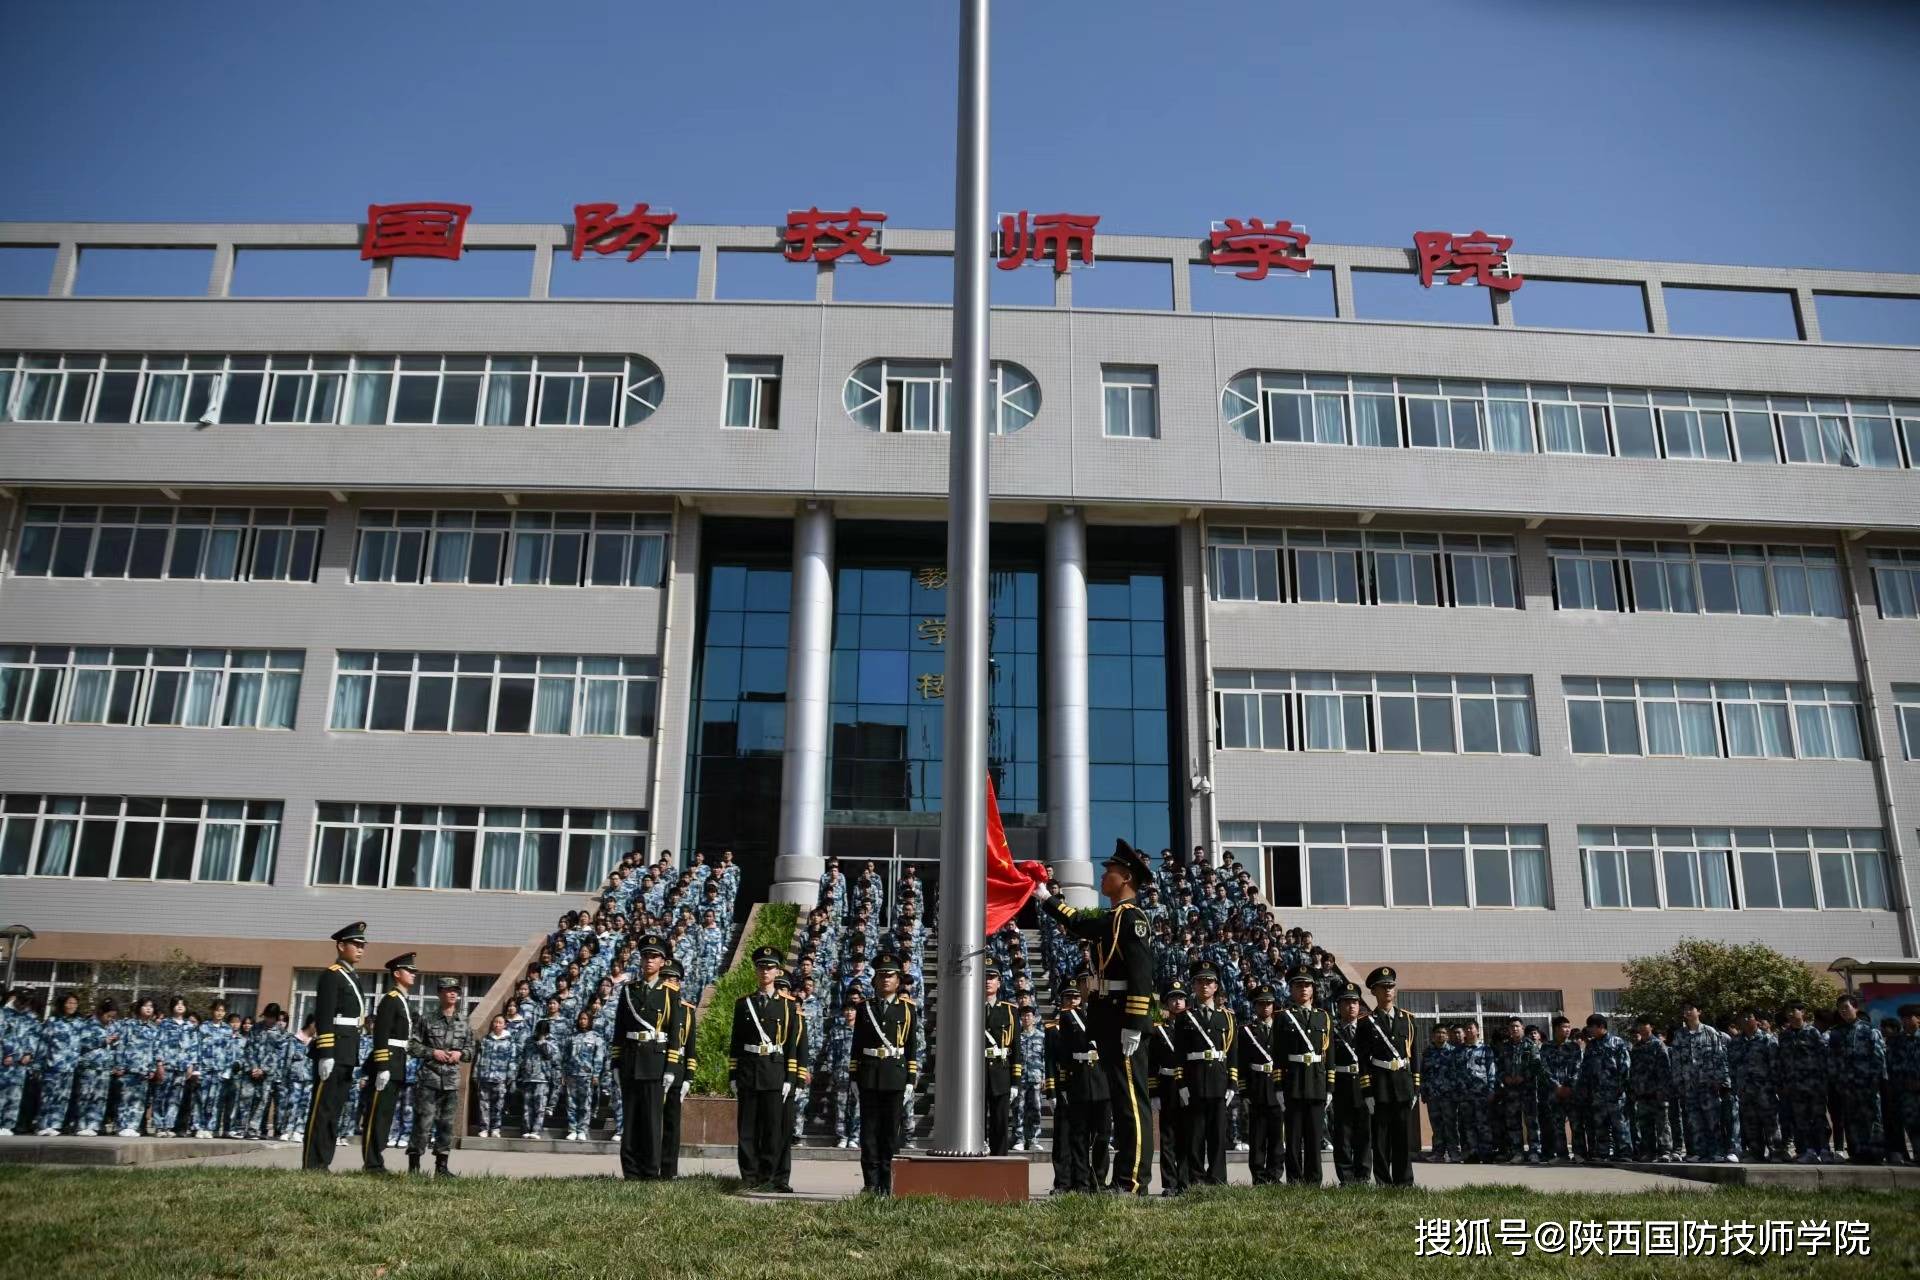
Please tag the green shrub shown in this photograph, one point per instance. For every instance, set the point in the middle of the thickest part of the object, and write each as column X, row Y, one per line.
column 773, row 927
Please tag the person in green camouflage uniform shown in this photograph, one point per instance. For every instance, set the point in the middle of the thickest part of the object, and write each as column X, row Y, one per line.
column 442, row 1041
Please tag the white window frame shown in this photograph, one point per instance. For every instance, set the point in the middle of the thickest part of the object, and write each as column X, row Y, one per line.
column 291, row 528
column 365, row 819
column 1468, row 838
column 1899, row 568
column 1134, row 382
column 224, row 665
column 642, row 681
column 751, row 370
column 432, row 526
column 45, row 815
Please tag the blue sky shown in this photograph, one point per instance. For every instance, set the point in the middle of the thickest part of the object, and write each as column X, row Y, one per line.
column 1739, row 132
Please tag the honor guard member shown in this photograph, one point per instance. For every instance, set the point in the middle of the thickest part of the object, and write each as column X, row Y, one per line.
column 1208, row 1078
column 1164, row 1061
column 766, row 1032
column 1396, row 1082
column 1123, row 956
column 1003, row 1065
column 647, row 1049
column 338, row 1007
column 672, row 975
column 387, row 1063
column 802, row 1082
column 1305, row 1035
column 886, row 1039
column 1081, row 1085
column 1262, row 1067
column 1351, row 1088
column 442, row 1041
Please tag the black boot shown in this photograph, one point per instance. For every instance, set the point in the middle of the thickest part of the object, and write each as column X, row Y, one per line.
column 413, row 1162
column 440, row 1169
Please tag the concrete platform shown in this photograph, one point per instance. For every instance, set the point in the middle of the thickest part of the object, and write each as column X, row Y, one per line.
column 1810, row 1177
column 122, row 1151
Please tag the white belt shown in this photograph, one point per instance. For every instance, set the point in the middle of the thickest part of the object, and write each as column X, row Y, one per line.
column 764, row 1049
column 1346, row 1071
column 885, row 1051
column 996, row 1054
column 660, row 1037
column 1261, row 1067
column 1391, row 1064
column 1091, row 1055
column 339, row 1021
column 1207, row 1055
column 1308, row 1058
column 1110, row 986
column 396, row 1044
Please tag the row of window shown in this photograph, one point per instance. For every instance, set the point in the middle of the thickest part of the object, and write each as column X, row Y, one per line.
column 1714, row 719
column 1357, row 864
column 237, row 986
column 1463, row 570
column 1331, row 566
column 139, row 838
column 913, row 395
column 197, row 688
column 560, row 695
column 1361, row 711
column 465, row 847
column 213, row 544
column 1272, row 407
column 521, row 548
column 1714, row 869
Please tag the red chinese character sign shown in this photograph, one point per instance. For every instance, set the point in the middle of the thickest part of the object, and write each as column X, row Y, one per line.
column 816, row 236
column 604, row 229
column 424, row 230
column 1259, row 247
column 1058, row 234
column 1474, row 259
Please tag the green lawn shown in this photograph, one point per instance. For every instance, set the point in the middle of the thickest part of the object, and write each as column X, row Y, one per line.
column 175, row 1224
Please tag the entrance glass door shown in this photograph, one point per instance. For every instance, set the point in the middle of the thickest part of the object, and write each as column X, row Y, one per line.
column 907, row 856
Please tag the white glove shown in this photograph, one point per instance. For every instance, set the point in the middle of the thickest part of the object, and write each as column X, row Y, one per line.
column 1186, row 1096
column 685, row 1085
column 1229, row 1097
column 1369, row 1106
column 1129, row 1043
column 666, row 1083
column 324, row 1070
column 786, row 1091
column 380, row 1081
column 1041, row 891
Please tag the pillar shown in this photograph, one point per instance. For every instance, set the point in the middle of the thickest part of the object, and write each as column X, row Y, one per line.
column 1069, row 817
column 803, row 766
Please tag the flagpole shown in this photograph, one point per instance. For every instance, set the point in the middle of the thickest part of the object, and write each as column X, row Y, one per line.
column 959, row 1113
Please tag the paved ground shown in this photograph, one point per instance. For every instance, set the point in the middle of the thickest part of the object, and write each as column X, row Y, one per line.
column 838, row 1177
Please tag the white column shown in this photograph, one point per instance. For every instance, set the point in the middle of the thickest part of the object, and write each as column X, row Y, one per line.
column 803, row 767
column 1069, row 817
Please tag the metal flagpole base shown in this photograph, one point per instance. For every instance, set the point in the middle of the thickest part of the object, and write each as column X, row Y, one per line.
column 1000, row 1179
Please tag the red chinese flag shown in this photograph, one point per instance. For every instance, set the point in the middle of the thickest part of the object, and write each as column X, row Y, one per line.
column 1009, row 884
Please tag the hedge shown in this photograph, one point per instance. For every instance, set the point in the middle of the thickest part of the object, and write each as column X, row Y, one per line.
column 773, row 927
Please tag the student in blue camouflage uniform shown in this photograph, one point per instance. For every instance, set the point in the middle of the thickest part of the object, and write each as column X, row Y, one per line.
column 139, row 1061
column 582, row 1062
column 262, row 1060
column 1605, row 1071
column 295, row 1091
column 496, row 1058
column 1652, row 1085
column 1753, row 1058
column 98, row 1042
column 1516, row 1082
column 1476, row 1080
column 216, row 1050
column 400, row 1132
column 1859, row 1067
column 59, row 1057
column 19, row 1054
column 1436, row 1090
column 1560, row 1067
column 1701, row 1079
column 608, row 1085
column 815, row 1023
column 539, row 1065
column 354, row 1119
column 710, row 946
column 1903, row 1076
column 1804, row 1071
column 846, row 1095
column 1030, row 1093
column 176, row 1038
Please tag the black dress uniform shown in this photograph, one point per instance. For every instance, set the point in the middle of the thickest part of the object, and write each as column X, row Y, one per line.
column 1003, row 1072
column 392, row 1024
column 1123, row 962
column 1262, row 1067
column 670, row 1107
column 1395, row 1068
column 762, row 1061
column 1352, row 1141
column 1062, row 1111
column 1304, row 1038
column 1205, row 1038
column 338, row 1008
column 1164, row 1063
column 790, row 1110
column 1083, row 1087
column 646, row 1049
column 886, row 1037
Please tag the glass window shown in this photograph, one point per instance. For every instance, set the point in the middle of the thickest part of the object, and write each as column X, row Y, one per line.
column 753, row 393
column 1130, row 396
